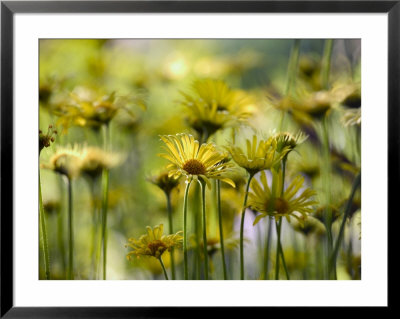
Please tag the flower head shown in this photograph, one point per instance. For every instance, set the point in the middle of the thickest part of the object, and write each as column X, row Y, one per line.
column 287, row 142
column 154, row 243
column 86, row 107
column 46, row 139
column 93, row 160
column 309, row 226
column 259, row 156
column 269, row 201
column 214, row 106
column 193, row 160
column 164, row 181
column 66, row 161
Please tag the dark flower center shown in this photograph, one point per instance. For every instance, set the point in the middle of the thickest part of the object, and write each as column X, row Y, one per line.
column 278, row 205
column 157, row 247
column 194, row 167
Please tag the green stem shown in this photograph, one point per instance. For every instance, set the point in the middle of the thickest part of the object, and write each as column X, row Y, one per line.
column 277, row 259
column 105, row 186
column 292, row 67
column 163, row 267
column 326, row 63
column 205, row 252
column 196, row 224
column 356, row 185
column 92, row 253
column 242, row 227
column 327, row 183
column 42, row 221
column 267, row 248
column 70, row 233
column 104, row 220
column 221, row 233
column 60, row 239
column 279, row 250
column 291, row 73
column 326, row 67
column 171, row 231
column 185, row 256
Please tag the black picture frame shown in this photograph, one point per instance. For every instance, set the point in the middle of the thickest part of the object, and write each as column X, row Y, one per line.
column 9, row 8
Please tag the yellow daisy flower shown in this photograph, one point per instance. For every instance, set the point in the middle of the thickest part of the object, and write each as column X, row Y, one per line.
column 193, row 160
column 269, row 201
column 154, row 243
column 260, row 155
column 214, row 106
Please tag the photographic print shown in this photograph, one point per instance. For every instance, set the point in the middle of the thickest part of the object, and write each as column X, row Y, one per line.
column 199, row 159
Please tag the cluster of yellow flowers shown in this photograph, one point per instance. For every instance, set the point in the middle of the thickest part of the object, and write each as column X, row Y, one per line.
column 213, row 107
column 243, row 174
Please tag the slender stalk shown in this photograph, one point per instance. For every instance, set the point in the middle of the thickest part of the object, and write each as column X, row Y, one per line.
column 196, row 223
column 92, row 253
column 327, row 173
column 105, row 186
column 163, row 267
column 185, row 256
column 356, row 185
column 221, row 233
column 291, row 73
column 326, row 67
column 43, row 229
column 277, row 259
column 242, row 227
column 70, row 274
column 279, row 250
column 326, row 63
column 292, row 66
column 60, row 240
column 105, row 183
column 171, row 231
column 267, row 248
column 205, row 252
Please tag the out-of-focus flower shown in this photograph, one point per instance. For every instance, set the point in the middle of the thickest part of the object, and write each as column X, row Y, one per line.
column 66, row 161
column 352, row 95
column 320, row 213
column 89, row 108
column 259, row 156
column 287, row 142
column 94, row 160
column 165, row 182
column 154, row 243
column 310, row 71
column 193, row 160
column 269, row 202
column 309, row 226
column 213, row 106
column 306, row 106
